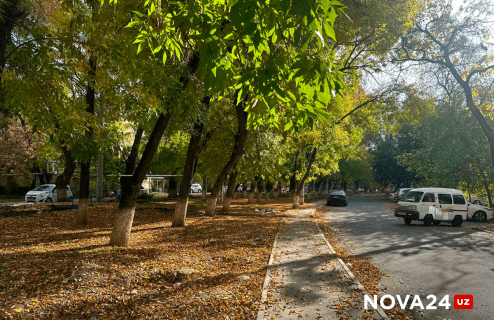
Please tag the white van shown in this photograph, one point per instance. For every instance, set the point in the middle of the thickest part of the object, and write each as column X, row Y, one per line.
column 436, row 205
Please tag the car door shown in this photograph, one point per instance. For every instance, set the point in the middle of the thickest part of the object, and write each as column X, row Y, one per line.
column 427, row 205
column 446, row 208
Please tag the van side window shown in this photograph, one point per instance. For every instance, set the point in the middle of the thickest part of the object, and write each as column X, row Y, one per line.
column 444, row 198
column 459, row 199
column 428, row 197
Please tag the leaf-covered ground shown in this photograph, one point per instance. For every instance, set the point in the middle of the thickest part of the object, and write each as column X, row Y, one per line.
column 213, row 268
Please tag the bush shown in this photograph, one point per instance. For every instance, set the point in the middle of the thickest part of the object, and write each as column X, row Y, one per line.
column 11, row 186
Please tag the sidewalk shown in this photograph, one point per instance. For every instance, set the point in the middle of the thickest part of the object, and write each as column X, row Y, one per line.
column 306, row 279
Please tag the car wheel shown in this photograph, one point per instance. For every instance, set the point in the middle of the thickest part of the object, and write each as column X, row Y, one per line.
column 199, row 191
column 408, row 221
column 71, row 199
column 436, row 223
column 479, row 216
column 48, row 200
column 345, row 204
column 457, row 221
column 428, row 220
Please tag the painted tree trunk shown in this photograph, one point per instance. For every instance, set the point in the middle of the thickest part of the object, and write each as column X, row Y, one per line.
column 299, row 189
column 236, row 155
column 296, row 200
column 83, row 206
column 130, row 187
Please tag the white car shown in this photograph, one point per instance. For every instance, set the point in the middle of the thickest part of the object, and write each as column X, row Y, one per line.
column 46, row 193
column 436, row 205
column 196, row 187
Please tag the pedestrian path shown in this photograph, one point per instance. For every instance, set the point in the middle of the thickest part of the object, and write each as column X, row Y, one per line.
column 306, row 279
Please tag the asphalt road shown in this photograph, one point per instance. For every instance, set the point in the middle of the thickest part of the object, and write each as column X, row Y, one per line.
column 439, row 260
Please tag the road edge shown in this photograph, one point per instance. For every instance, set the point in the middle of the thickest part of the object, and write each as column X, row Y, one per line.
column 379, row 310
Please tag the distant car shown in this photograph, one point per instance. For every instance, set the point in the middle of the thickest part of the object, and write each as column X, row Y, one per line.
column 337, row 197
column 46, row 193
column 195, row 188
column 143, row 190
column 240, row 187
column 400, row 193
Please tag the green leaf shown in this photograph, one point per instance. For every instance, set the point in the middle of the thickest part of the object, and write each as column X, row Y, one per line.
column 288, row 126
column 132, row 23
column 329, row 31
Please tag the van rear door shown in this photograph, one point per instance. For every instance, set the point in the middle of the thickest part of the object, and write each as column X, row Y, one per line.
column 459, row 206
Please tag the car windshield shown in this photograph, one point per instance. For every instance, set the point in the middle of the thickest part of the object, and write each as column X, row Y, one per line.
column 413, row 196
column 44, row 187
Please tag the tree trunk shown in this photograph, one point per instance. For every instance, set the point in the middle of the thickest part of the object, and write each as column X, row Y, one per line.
column 300, row 184
column 125, row 216
column 252, row 193
column 172, row 188
column 82, row 208
column 188, row 175
column 10, row 14
column 296, row 200
column 236, row 155
column 204, row 188
column 63, row 180
column 130, row 186
column 230, row 191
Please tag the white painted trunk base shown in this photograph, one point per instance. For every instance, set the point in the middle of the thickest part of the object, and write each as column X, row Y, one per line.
column 122, row 227
column 226, row 204
column 180, row 212
column 211, row 206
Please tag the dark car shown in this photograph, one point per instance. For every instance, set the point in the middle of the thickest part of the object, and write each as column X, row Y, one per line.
column 337, row 197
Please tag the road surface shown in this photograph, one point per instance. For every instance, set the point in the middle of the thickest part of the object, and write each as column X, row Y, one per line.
column 439, row 260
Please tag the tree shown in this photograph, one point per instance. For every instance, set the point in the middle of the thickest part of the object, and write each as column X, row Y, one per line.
column 458, row 44
column 216, row 36
column 438, row 161
column 385, row 154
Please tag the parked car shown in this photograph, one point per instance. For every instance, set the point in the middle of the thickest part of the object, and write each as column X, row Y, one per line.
column 337, row 197
column 143, row 190
column 240, row 187
column 436, row 205
column 400, row 193
column 196, row 187
column 46, row 193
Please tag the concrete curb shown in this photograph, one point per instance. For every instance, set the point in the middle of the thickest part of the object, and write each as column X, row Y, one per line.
column 352, row 276
column 267, row 279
